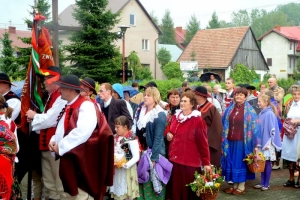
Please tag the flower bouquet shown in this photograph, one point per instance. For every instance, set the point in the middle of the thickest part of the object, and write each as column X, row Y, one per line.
column 207, row 185
column 256, row 161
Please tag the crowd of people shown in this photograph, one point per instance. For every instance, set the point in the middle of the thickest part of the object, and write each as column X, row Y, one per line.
column 139, row 146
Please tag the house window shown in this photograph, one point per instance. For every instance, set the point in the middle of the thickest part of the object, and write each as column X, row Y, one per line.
column 269, row 62
column 145, row 44
column 132, row 20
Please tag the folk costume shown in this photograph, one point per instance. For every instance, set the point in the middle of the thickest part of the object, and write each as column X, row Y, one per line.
column 45, row 125
column 229, row 98
column 150, row 129
column 8, row 150
column 85, row 144
column 270, row 142
column 188, row 151
column 213, row 120
column 125, row 184
column 240, row 135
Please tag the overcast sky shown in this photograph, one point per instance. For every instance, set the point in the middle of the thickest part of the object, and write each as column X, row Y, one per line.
column 14, row 11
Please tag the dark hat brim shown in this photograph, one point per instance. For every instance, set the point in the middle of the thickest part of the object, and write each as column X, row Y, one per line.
column 83, row 82
column 201, row 94
column 250, row 87
column 69, row 86
column 8, row 82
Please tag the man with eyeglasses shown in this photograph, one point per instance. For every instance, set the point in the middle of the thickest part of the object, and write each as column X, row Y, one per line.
column 111, row 107
column 278, row 91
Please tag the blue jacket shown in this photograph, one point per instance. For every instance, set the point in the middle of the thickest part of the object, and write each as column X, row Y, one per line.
column 155, row 136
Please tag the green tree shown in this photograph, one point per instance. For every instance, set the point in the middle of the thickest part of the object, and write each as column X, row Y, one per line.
column 240, row 73
column 167, row 28
column 292, row 10
column 8, row 63
column 172, row 70
column 154, row 18
column 163, row 56
column 91, row 50
column 214, row 22
column 240, row 18
column 43, row 7
column 224, row 24
column 144, row 73
column 134, row 64
column 191, row 29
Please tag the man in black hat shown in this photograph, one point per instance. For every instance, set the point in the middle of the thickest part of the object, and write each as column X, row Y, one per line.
column 88, row 85
column 251, row 99
column 83, row 154
column 213, row 121
column 45, row 124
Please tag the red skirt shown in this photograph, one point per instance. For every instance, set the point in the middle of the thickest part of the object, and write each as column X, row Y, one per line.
column 6, row 177
column 176, row 187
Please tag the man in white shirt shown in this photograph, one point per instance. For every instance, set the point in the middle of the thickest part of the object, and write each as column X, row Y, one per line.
column 75, row 126
column 45, row 125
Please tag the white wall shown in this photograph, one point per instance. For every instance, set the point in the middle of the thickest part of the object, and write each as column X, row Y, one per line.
column 276, row 47
column 144, row 29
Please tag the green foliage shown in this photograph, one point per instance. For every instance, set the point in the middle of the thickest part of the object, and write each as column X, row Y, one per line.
column 134, row 64
column 292, row 10
column 172, row 70
column 163, row 56
column 214, row 22
column 191, row 29
column 296, row 72
column 167, row 28
column 286, row 83
column 8, row 63
column 144, row 73
column 92, row 50
column 43, row 7
column 242, row 74
column 154, row 18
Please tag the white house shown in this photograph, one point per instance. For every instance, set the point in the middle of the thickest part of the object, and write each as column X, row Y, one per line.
column 281, row 49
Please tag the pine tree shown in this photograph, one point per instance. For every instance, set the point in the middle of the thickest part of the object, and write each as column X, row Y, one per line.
column 167, row 28
column 192, row 28
column 214, row 22
column 91, row 50
column 7, row 60
column 154, row 18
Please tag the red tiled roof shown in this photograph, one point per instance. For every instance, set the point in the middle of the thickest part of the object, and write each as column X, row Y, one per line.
column 14, row 37
column 289, row 32
column 214, row 48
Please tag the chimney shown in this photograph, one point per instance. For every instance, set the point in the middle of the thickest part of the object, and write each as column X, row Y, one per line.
column 11, row 29
column 277, row 28
column 179, row 29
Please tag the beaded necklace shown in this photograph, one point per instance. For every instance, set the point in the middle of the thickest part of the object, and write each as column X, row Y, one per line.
column 237, row 109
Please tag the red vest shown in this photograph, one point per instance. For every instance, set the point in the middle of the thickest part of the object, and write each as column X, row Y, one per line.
column 46, row 134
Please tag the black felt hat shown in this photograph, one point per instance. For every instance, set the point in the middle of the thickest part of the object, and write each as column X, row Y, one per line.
column 70, row 81
column 201, row 91
column 4, row 78
column 150, row 84
column 247, row 86
column 51, row 72
column 90, row 83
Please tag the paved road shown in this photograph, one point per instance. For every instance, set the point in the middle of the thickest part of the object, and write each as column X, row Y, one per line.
column 276, row 192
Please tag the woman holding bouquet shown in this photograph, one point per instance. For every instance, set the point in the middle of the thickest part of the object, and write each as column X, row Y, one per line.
column 289, row 146
column 239, row 138
column 270, row 138
column 188, row 148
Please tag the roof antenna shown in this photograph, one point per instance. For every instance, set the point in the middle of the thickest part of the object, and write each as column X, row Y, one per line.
column 9, row 22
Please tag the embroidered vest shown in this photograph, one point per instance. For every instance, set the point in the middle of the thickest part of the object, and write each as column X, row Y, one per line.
column 46, row 134
column 11, row 95
column 229, row 99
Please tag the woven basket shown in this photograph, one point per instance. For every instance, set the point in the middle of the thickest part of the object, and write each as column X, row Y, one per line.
column 207, row 195
column 258, row 166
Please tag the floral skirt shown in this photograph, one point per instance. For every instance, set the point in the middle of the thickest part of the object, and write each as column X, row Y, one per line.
column 6, row 177
column 147, row 192
column 132, row 185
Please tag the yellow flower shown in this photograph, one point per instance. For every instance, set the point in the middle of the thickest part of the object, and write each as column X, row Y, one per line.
column 217, row 184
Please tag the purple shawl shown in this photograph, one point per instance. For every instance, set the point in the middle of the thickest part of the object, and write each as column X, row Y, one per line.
column 269, row 128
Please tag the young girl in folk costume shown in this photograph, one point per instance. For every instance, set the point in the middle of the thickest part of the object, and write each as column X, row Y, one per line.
column 8, row 149
column 270, row 138
column 127, row 154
